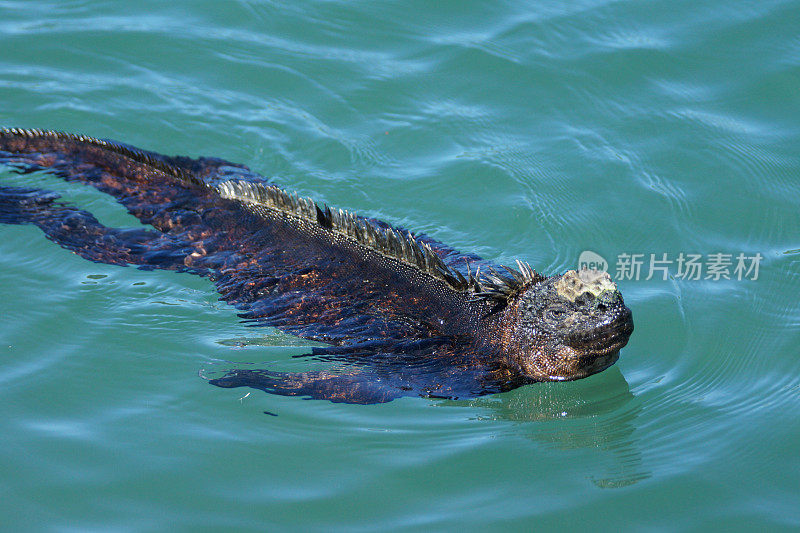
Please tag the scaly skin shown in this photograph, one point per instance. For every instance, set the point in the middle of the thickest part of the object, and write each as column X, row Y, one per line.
column 403, row 314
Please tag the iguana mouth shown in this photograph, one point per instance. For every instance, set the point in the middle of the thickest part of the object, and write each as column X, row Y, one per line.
column 597, row 363
column 588, row 363
column 605, row 338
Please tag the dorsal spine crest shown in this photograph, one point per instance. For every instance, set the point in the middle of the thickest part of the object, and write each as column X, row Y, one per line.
column 387, row 241
column 493, row 288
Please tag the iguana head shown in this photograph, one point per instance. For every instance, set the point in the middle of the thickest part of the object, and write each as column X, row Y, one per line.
column 565, row 327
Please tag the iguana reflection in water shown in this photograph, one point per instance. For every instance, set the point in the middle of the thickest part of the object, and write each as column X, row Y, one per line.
column 409, row 316
column 598, row 418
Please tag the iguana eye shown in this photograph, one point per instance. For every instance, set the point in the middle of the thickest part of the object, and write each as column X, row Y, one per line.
column 555, row 314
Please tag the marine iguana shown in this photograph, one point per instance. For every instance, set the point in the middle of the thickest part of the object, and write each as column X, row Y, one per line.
column 402, row 314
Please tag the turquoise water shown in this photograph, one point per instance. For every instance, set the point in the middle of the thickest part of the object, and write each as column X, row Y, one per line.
column 511, row 130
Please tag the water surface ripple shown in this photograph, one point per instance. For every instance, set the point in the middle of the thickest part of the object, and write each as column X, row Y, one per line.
column 524, row 130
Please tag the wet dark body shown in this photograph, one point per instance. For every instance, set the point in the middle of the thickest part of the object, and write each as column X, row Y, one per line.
column 403, row 315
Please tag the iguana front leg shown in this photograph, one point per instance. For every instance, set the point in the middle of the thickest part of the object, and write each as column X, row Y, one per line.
column 355, row 386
